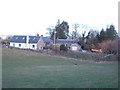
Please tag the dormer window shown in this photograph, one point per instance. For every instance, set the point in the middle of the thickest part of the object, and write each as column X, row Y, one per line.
column 16, row 38
column 34, row 38
column 29, row 38
column 23, row 38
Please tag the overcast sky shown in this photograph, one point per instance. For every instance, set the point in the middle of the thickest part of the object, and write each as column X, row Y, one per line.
column 34, row 16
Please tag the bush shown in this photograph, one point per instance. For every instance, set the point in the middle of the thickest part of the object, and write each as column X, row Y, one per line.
column 63, row 48
column 83, row 56
column 109, row 46
column 110, row 58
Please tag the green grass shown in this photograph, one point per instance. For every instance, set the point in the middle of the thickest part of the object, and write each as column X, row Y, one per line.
column 27, row 69
column 84, row 56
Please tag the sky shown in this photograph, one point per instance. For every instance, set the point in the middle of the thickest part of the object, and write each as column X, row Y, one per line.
column 29, row 17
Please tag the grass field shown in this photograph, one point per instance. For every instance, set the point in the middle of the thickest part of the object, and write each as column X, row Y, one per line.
column 27, row 69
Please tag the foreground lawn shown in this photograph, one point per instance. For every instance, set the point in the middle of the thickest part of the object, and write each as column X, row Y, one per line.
column 27, row 69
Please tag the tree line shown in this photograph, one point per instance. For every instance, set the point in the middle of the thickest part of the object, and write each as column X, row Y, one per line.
column 105, row 39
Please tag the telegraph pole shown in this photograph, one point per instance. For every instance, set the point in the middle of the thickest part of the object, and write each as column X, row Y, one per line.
column 54, row 38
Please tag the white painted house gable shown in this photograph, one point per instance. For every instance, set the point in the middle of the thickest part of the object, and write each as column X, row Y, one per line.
column 40, row 44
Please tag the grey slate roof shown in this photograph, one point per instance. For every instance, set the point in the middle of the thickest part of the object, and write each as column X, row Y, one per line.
column 76, row 44
column 64, row 41
column 32, row 39
column 47, row 39
column 18, row 39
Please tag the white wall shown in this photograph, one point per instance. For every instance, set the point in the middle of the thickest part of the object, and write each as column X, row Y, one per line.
column 31, row 46
column 24, row 45
column 75, row 47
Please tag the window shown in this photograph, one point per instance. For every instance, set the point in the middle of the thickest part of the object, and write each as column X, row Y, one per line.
column 33, row 46
column 16, row 38
column 13, row 45
column 19, row 45
column 74, row 48
column 23, row 38
column 34, row 38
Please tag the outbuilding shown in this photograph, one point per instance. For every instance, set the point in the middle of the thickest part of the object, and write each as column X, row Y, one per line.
column 75, row 47
column 70, row 44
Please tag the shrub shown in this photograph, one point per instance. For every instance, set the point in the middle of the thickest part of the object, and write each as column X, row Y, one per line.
column 83, row 56
column 110, row 58
column 109, row 46
column 63, row 47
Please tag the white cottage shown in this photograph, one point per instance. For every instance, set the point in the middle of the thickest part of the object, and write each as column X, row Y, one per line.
column 29, row 42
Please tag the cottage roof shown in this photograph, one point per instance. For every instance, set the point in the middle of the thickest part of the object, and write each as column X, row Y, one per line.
column 35, row 39
column 76, row 44
column 47, row 39
column 64, row 41
column 18, row 39
column 32, row 39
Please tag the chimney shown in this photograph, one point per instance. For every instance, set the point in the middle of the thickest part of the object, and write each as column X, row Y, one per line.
column 27, row 41
column 37, row 34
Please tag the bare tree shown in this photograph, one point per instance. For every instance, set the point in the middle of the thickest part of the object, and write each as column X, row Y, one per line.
column 50, row 30
column 75, row 33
